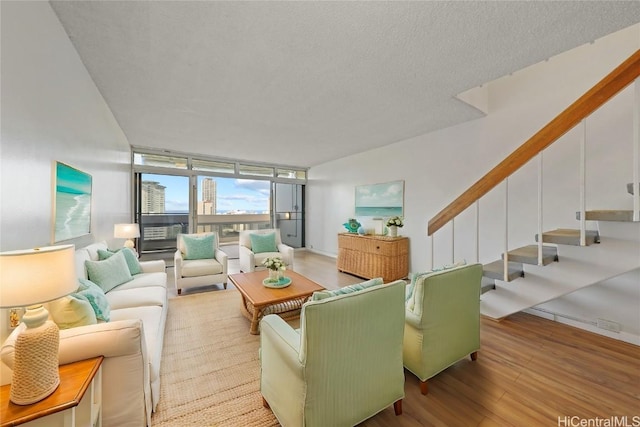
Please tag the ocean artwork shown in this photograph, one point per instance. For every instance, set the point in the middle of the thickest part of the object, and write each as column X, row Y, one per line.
column 380, row 200
column 72, row 203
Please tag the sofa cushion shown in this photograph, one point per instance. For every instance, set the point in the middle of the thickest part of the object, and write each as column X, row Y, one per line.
column 109, row 273
column 81, row 256
column 317, row 296
column 129, row 256
column 144, row 280
column 199, row 246
column 263, row 242
column 96, row 297
column 71, row 311
column 200, row 267
column 153, row 327
column 93, row 249
column 137, row 297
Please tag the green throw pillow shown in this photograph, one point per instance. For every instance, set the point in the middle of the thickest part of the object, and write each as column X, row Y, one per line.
column 72, row 311
column 199, row 247
column 317, row 296
column 109, row 273
column 263, row 242
column 129, row 256
column 96, row 297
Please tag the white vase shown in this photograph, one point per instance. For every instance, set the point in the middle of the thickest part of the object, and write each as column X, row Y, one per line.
column 273, row 276
column 393, row 231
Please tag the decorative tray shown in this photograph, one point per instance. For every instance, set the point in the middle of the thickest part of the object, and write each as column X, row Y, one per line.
column 282, row 283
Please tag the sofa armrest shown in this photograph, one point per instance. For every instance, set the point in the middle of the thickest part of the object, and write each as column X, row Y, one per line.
column 287, row 254
column 155, row 266
column 222, row 258
column 412, row 319
column 282, row 373
column 110, row 339
column 247, row 259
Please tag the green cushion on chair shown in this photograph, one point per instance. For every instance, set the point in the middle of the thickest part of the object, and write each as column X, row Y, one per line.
column 263, row 242
column 199, row 247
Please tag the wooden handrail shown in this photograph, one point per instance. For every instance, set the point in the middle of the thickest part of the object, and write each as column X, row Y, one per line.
column 595, row 97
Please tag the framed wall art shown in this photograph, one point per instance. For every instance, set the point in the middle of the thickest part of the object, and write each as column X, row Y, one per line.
column 71, row 203
column 380, row 200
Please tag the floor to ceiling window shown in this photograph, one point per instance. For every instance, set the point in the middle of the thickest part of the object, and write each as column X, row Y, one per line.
column 177, row 193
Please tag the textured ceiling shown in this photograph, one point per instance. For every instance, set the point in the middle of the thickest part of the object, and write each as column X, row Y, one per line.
column 302, row 83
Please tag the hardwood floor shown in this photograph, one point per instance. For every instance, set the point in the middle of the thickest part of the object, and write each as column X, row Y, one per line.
column 529, row 372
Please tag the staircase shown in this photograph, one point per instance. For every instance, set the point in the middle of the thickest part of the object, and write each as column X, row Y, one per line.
column 574, row 267
column 565, row 260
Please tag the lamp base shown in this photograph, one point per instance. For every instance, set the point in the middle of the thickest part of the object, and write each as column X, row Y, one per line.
column 35, row 365
column 129, row 244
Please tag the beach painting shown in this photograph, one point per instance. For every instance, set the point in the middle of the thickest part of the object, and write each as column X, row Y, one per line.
column 380, row 200
column 72, row 203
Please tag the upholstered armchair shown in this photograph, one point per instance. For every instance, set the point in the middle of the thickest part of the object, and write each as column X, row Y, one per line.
column 343, row 365
column 257, row 245
column 199, row 261
column 442, row 320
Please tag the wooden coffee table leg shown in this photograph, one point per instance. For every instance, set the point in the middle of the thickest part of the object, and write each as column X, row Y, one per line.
column 255, row 321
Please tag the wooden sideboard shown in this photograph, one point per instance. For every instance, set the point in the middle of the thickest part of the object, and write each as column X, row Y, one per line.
column 371, row 256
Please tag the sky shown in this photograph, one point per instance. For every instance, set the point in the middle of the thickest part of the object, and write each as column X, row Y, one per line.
column 233, row 194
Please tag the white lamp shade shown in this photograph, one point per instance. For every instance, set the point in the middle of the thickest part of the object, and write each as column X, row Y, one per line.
column 126, row 231
column 34, row 276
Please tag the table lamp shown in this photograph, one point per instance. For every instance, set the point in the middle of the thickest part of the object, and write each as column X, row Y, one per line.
column 126, row 231
column 29, row 278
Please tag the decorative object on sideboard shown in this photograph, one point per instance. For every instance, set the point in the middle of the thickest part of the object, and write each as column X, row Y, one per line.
column 352, row 225
column 71, row 203
column 29, row 278
column 127, row 231
column 393, row 224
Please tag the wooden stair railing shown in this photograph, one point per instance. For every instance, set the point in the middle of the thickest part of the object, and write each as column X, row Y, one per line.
column 603, row 91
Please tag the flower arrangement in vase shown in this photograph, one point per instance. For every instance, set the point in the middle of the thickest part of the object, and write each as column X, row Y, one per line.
column 393, row 224
column 276, row 268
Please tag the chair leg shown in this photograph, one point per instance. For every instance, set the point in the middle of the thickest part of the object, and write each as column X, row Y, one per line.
column 225, row 285
column 397, row 407
column 265, row 403
column 179, row 291
column 474, row 355
column 424, row 389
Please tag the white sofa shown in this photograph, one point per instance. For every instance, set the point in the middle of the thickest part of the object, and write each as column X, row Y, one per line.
column 131, row 343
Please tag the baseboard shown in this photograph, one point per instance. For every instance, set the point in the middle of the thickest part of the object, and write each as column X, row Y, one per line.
column 315, row 251
column 585, row 325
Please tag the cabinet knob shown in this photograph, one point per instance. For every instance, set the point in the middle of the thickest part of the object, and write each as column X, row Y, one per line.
column 377, row 247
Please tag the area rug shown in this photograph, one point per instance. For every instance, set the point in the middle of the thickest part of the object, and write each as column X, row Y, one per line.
column 210, row 372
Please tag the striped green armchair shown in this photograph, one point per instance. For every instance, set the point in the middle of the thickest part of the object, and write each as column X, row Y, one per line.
column 344, row 365
column 443, row 320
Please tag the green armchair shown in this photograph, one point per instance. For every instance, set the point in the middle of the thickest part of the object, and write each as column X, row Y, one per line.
column 442, row 320
column 343, row 365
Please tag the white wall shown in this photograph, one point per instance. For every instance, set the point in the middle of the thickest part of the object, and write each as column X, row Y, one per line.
column 52, row 110
column 439, row 166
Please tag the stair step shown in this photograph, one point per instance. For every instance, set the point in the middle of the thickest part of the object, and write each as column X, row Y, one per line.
column 612, row 215
column 495, row 270
column 487, row 285
column 566, row 236
column 529, row 255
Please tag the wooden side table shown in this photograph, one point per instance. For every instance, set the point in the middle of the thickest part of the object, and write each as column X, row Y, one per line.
column 69, row 406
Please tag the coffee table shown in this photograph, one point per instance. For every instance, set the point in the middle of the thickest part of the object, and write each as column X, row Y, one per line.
column 258, row 300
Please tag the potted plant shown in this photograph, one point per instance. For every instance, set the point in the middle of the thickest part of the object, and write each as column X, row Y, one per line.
column 393, row 224
column 276, row 268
